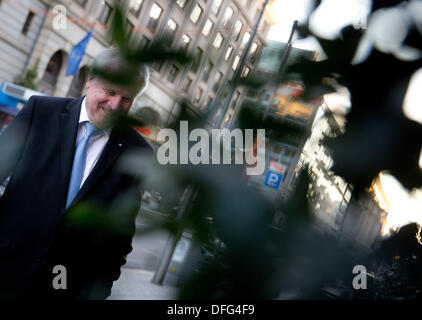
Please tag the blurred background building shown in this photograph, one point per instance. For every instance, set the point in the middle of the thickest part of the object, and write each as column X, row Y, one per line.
column 283, row 105
column 329, row 194
column 35, row 54
column 215, row 32
column 355, row 220
column 338, row 211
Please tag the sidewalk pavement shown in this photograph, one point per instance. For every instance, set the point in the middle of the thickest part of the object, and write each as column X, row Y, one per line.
column 135, row 284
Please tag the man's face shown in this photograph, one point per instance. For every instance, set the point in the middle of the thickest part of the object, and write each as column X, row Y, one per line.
column 103, row 98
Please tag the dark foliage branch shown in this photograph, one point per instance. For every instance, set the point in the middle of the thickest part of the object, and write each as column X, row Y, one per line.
column 378, row 137
column 254, row 259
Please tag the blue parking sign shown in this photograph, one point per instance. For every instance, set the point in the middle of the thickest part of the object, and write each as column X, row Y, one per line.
column 273, row 179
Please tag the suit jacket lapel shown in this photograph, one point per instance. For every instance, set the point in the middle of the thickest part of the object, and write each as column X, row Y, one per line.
column 69, row 124
column 115, row 145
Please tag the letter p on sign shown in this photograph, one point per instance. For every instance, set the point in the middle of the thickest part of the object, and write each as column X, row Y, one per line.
column 273, row 179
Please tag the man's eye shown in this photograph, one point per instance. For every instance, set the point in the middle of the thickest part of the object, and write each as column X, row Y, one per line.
column 125, row 100
column 109, row 92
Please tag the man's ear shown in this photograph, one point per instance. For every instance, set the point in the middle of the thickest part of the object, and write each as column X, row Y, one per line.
column 88, row 83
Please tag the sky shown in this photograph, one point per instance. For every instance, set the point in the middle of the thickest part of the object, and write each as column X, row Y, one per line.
column 326, row 22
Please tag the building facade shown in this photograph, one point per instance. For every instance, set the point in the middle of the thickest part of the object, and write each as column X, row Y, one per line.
column 282, row 104
column 329, row 194
column 39, row 34
column 354, row 219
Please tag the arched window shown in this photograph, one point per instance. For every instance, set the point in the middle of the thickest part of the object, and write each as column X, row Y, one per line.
column 78, row 83
column 52, row 71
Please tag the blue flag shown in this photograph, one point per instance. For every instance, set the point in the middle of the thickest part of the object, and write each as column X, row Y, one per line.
column 76, row 55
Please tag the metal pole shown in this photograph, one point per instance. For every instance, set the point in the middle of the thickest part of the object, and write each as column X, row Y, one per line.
column 165, row 259
column 288, row 47
column 239, row 69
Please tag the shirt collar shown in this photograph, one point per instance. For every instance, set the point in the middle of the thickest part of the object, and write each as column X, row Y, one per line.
column 84, row 117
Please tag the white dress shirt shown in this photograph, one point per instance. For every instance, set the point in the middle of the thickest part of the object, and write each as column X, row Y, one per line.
column 95, row 145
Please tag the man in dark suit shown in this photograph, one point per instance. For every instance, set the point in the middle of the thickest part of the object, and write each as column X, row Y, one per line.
column 67, row 216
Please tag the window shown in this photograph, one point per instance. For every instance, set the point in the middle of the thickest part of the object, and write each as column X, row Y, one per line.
column 288, row 153
column 245, row 40
column 235, row 62
column 218, row 40
column 144, row 42
column 196, row 14
column 170, row 32
column 174, row 71
column 187, row 84
column 228, row 117
column 105, row 13
column 253, row 52
column 218, row 78
column 154, row 16
column 171, row 25
column 135, row 7
column 226, row 92
column 27, row 23
column 51, row 74
column 216, row 6
column 158, row 65
column 78, row 83
column 198, row 58
column 207, row 27
column 82, row 3
column 209, row 102
column 129, row 28
column 227, row 16
column 235, row 99
column 185, row 42
column 228, row 53
column 245, row 72
column 181, row 3
column 252, row 94
column 198, row 94
column 237, row 28
column 253, row 48
column 207, row 70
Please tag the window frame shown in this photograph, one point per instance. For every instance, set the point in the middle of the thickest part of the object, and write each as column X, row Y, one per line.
column 209, row 29
column 181, row 3
column 28, row 21
column 199, row 15
column 217, row 44
column 173, row 75
column 132, row 10
column 153, row 23
column 81, row 3
column 101, row 19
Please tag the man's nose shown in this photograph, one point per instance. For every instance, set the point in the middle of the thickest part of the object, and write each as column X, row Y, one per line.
column 114, row 102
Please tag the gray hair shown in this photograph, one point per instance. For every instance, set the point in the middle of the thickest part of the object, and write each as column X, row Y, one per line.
column 111, row 59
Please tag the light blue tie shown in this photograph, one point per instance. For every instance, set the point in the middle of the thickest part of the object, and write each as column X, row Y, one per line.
column 79, row 161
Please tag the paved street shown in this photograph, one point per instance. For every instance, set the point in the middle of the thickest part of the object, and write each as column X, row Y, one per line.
column 135, row 280
column 135, row 284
